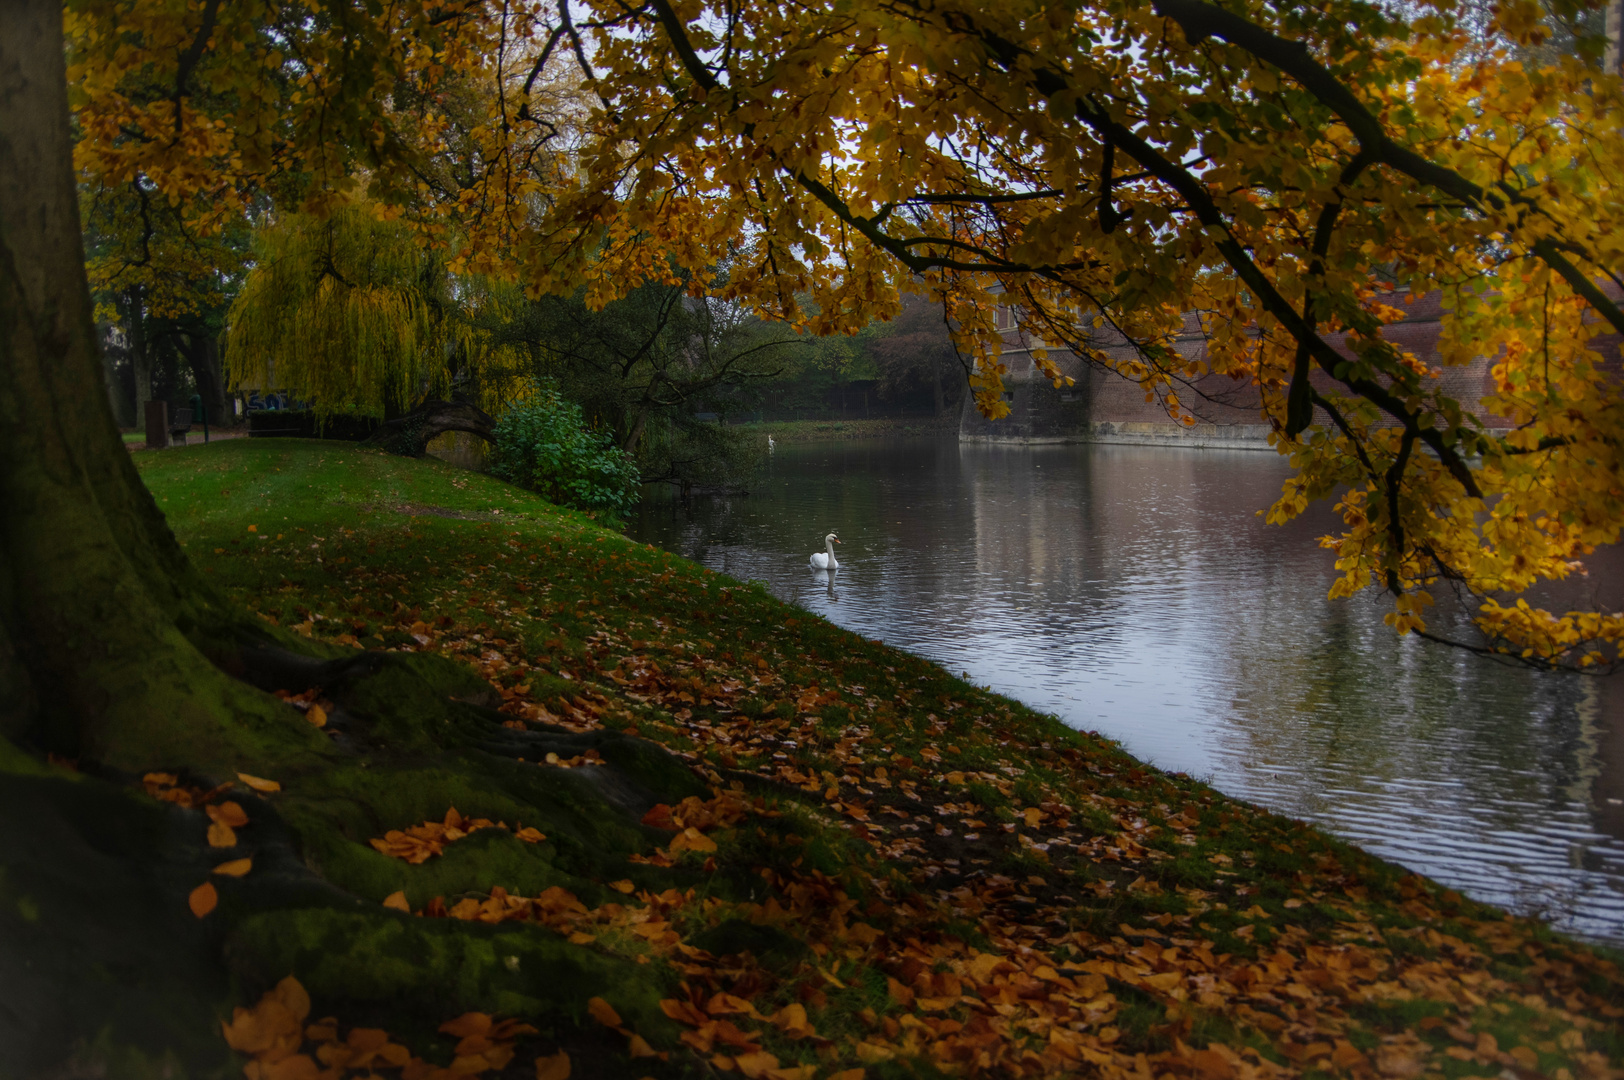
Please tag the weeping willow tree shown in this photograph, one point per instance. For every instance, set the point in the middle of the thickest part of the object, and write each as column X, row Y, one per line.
column 354, row 314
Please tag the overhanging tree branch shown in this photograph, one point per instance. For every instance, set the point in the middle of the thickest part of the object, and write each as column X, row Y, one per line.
column 1200, row 20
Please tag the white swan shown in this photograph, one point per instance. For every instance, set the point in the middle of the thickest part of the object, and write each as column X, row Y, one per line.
column 825, row 560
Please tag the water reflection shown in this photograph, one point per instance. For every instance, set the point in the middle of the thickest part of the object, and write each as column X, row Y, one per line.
column 827, row 578
column 1134, row 591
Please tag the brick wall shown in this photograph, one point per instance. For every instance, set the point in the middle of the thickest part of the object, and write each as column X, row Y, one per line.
column 1104, row 407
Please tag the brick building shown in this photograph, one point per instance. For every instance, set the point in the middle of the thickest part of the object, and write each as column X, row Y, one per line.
column 1107, row 408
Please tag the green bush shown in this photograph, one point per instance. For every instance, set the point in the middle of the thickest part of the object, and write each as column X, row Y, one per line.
column 543, row 443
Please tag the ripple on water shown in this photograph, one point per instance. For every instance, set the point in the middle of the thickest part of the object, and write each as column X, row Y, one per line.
column 1134, row 592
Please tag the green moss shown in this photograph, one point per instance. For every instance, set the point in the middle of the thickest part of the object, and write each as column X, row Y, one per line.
column 16, row 763
column 424, row 970
column 405, row 701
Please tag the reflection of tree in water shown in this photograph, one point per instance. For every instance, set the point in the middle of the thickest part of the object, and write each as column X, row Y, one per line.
column 1469, row 770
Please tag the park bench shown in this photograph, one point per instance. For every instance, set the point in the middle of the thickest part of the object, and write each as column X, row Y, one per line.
column 180, row 425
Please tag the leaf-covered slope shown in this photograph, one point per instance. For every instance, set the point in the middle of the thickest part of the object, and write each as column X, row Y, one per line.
column 634, row 817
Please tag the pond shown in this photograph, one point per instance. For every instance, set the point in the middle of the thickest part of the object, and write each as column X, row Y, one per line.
column 1135, row 592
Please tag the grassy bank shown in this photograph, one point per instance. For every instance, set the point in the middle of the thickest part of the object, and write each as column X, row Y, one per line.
column 789, row 431
column 866, row 868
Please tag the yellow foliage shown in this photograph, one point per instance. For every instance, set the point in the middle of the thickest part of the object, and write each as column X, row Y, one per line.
column 1290, row 175
column 349, row 312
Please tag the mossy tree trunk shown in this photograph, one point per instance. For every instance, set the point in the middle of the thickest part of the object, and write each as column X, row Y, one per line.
column 99, row 606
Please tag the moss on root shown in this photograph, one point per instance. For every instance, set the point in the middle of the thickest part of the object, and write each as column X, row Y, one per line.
column 412, row 747
column 413, row 973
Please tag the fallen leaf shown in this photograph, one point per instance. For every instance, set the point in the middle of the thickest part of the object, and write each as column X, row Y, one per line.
column 228, row 813
column 397, row 900
column 203, row 899
column 259, row 783
column 297, row 1067
column 691, row 839
column 556, row 1067
column 873, row 1053
column 235, row 868
column 1211, row 1065
column 603, row 1012
column 317, row 715
column 1347, row 1056
column 623, row 886
column 755, row 1064
column 638, row 1047
column 470, row 1023
column 791, row 1020
column 221, row 835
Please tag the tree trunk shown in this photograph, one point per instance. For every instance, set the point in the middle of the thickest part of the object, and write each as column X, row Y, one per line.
column 133, row 311
column 111, row 350
column 203, row 357
column 96, row 597
column 635, row 439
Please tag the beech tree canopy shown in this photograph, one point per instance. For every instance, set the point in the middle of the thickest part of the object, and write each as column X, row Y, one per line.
column 1289, row 172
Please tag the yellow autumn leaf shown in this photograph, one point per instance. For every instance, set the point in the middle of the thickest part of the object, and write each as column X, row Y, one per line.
column 603, row 1012
column 203, row 899
column 555, row 1067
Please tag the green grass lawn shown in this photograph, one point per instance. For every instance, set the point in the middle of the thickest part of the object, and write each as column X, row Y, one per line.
column 788, row 431
column 946, row 881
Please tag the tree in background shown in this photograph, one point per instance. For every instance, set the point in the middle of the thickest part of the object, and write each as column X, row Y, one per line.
column 166, row 285
column 646, row 366
column 915, row 350
column 352, row 314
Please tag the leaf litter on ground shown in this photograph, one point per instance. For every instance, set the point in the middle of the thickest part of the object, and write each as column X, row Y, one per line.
column 992, row 893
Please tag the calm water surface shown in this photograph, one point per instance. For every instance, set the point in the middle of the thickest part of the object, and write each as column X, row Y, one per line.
column 1134, row 592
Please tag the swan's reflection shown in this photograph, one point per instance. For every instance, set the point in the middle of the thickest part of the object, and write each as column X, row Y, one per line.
column 827, row 577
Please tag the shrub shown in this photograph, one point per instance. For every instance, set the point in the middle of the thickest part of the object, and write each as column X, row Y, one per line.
column 543, row 443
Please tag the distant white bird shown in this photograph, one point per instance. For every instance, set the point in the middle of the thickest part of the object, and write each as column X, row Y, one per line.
column 770, row 444
column 825, row 560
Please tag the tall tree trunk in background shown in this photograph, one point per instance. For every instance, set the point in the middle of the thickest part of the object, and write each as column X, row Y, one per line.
column 203, row 356
column 96, row 597
column 132, row 313
column 635, row 438
column 111, row 351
